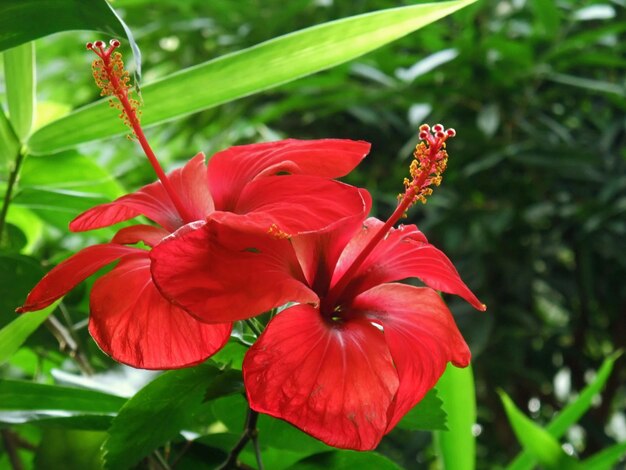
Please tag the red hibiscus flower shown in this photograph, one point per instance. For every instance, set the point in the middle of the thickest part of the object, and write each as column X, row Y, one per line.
column 282, row 188
column 357, row 350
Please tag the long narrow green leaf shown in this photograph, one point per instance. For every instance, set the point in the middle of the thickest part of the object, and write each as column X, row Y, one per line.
column 570, row 414
column 457, row 446
column 9, row 143
column 16, row 395
column 15, row 333
column 249, row 71
column 19, row 76
column 22, row 21
column 606, row 458
column 537, row 441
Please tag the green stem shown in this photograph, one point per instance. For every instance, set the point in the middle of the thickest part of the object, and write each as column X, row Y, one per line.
column 250, row 433
column 15, row 171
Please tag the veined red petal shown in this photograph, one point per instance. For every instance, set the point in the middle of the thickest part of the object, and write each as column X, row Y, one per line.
column 135, row 325
column 66, row 275
column 148, row 234
column 404, row 253
column 318, row 252
column 335, row 382
column 421, row 334
column 230, row 170
column 152, row 201
column 219, row 274
column 294, row 204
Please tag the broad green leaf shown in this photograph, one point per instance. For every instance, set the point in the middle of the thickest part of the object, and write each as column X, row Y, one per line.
column 537, row 441
column 24, row 21
column 9, row 143
column 428, row 414
column 59, row 189
column 13, row 335
column 159, row 411
column 18, row 275
column 346, row 460
column 28, row 222
column 606, row 458
column 19, row 76
column 571, row 413
column 69, row 450
column 249, row 71
column 457, row 445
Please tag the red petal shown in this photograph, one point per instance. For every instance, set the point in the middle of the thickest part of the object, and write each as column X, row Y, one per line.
column 230, row 170
column 422, row 337
column 148, row 234
column 318, row 252
column 295, row 204
column 66, row 275
column 135, row 325
column 152, row 201
column 219, row 274
column 335, row 382
column 404, row 253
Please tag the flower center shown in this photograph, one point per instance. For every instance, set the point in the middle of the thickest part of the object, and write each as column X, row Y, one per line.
column 114, row 81
column 429, row 162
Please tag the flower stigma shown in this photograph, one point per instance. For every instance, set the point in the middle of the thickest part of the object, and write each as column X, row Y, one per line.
column 114, row 81
column 429, row 162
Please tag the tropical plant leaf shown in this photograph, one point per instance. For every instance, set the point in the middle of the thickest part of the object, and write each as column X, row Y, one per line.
column 23, row 402
column 159, row 411
column 537, row 441
column 457, row 445
column 428, row 414
column 24, row 21
column 19, row 75
column 249, row 71
column 570, row 414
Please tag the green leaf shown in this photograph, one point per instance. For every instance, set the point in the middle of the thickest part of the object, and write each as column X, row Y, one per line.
column 159, row 411
column 9, row 143
column 537, row 441
column 249, row 71
column 31, row 401
column 19, row 75
column 69, row 450
column 58, row 189
column 457, row 446
column 15, row 333
column 18, row 275
column 346, row 460
column 30, row 225
column 24, row 21
column 606, row 458
column 571, row 413
column 428, row 414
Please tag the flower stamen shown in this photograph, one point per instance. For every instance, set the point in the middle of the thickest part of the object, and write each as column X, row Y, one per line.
column 430, row 161
column 114, row 81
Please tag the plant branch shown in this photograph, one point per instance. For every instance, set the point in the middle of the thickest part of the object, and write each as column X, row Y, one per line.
column 15, row 171
column 10, row 445
column 68, row 344
column 250, row 433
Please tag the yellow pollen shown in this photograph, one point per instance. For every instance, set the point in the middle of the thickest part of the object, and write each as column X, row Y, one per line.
column 278, row 233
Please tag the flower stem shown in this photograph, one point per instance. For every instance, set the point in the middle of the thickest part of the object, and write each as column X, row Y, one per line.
column 15, row 171
column 250, row 433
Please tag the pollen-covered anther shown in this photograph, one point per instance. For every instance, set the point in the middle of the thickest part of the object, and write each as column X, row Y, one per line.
column 113, row 80
column 278, row 233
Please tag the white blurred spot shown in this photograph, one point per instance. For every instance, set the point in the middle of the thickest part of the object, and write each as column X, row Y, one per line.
column 563, row 384
column 595, row 12
column 534, row 405
column 477, row 430
column 426, row 65
column 170, row 43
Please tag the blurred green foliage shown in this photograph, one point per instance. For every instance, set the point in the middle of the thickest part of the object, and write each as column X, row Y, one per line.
column 532, row 210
